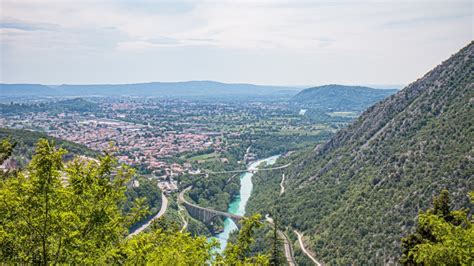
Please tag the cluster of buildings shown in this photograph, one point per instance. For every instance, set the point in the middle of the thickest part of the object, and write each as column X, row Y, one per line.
column 152, row 149
column 150, row 134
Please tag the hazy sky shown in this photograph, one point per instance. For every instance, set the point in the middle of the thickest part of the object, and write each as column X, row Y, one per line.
column 263, row 42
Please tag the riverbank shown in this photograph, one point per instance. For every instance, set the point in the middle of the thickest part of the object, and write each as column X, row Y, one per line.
column 239, row 203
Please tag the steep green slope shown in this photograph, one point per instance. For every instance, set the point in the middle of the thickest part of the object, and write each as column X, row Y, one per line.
column 342, row 98
column 355, row 196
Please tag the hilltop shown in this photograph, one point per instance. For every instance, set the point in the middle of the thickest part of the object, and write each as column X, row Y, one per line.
column 355, row 196
column 341, row 98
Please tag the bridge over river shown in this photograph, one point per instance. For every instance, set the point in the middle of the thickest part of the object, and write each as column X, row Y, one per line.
column 205, row 215
column 243, row 170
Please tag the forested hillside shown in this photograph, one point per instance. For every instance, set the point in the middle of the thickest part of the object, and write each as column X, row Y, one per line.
column 341, row 98
column 357, row 195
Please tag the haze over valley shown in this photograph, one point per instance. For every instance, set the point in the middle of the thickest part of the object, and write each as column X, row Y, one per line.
column 99, row 167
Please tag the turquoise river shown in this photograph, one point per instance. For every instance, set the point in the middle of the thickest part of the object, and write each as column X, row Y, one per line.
column 237, row 206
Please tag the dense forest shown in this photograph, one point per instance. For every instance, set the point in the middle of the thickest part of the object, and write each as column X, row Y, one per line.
column 354, row 196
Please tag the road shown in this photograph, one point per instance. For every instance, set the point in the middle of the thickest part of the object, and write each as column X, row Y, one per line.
column 244, row 170
column 181, row 194
column 286, row 244
column 185, row 221
column 282, row 190
column 288, row 250
column 164, row 206
column 305, row 251
column 300, row 236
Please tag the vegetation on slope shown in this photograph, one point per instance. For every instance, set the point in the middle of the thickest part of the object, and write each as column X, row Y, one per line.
column 341, row 98
column 443, row 236
column 356, row 195
column 147, row 190
column 71, row 213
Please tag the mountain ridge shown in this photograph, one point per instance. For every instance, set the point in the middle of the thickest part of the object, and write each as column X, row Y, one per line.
column 355, row 196
column 193, row 88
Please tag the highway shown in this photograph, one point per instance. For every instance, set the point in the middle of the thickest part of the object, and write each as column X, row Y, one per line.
column 164, row 206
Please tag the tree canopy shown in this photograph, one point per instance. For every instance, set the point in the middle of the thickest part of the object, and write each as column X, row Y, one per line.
column 55, row 212
column 442, row 237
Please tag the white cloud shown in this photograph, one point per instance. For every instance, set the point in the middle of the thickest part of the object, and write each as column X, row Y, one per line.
column 305, row 27
column 340, row 33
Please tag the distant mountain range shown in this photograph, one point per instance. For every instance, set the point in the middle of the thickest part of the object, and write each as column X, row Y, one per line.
column 188, row 88
column 340, row 97
column 329, row 95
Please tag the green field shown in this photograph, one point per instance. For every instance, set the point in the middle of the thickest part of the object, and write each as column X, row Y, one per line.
column 204, row 157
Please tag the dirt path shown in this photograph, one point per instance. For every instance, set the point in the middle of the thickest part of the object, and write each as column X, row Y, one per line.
column 185, row 221
column 282, row 188
column 305, row 251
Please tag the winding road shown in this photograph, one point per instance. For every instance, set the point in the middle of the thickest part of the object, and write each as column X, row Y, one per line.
column 282, row 188
column 305, row 251
column 185, row 221
column 288, row 251
column 164, row 206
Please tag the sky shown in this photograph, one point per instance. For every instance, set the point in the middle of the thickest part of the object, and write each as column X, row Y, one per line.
column 261, row 42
